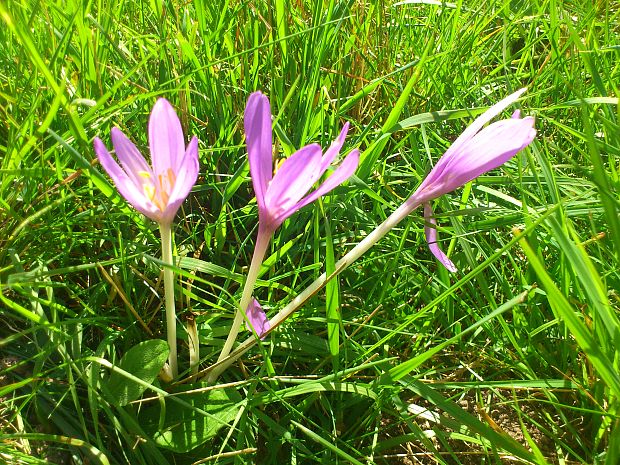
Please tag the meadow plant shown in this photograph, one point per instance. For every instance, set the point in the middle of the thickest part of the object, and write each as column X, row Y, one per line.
column 472, row 154
column 157, row 191
column 279, row 195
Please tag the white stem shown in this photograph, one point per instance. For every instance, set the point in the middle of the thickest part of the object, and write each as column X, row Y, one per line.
column 341, row 265
column 171, row 323
column 262, row 242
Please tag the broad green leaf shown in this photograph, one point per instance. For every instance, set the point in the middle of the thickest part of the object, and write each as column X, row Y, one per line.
column 144, row 361
column 182, row 428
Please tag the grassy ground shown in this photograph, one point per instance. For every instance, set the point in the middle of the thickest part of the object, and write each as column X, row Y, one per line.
column 513, row 359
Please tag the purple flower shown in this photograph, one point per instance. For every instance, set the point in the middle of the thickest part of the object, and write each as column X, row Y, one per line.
column 256, row 321
column 157, row 191
column 472, row 154
column 280, row 195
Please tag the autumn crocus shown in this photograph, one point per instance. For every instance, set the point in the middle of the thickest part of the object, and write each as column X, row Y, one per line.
column 256, row 320
column 156, row 190
column 477, row 150
column 281, row 194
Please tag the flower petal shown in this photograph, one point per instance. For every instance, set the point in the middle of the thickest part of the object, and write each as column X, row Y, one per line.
column 166, row 139
column 130, row 157
column 185, row 179
column 469, row 133
column 490, row 148
column 124, row 184
column 431, row 237
column 257, row 124
column 483, row 119
column 257, row 321
column 293, row 179
column 334, row 149
column 340, row 175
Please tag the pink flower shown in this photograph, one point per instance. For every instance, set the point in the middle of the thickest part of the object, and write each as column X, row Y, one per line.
column 280, row 195
column 157, row 191
column 256, row 321
column 472, row 154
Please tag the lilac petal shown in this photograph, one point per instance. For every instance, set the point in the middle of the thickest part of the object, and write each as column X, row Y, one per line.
column 130, row 157
column 294, row 178
column 257, row 124
column 483, row 119
column 185, row 178
column 124, row 184
column 490, row 148
column 257, row 321
column 469, row 133
column 166, row 139
column 334, row 149
column 340, row 175
column 431, row 237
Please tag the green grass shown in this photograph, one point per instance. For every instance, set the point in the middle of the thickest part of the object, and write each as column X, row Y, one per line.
column 515, row 358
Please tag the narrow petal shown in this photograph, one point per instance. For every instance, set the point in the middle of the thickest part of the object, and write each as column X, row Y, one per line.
column 334, row 149
column 431, row 237
column 124, row 184
column 490, row 148
column 484, row 118
column 185, row 179
column 166, row 139
column 257, row 321
column 340, row 175
column 294, row 178
column 469, row 133
column 257, row 124
column 130, row 157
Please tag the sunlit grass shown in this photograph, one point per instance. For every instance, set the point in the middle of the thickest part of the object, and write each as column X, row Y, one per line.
column 513, row 358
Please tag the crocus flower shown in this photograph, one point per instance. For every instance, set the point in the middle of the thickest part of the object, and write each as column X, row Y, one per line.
column 256, row 321
column 476, row 151
column 280, row 195
column 157, row 191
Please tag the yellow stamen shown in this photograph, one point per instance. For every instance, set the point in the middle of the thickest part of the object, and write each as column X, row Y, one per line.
column 161, row 195
column 149, row 191
column 278, row 164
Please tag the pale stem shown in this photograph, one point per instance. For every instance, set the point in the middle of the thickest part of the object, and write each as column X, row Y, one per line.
column 341, row 265
column 262, row 242
column 171, row 323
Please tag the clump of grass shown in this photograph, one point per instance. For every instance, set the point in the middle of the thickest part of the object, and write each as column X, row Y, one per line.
column 515, row 357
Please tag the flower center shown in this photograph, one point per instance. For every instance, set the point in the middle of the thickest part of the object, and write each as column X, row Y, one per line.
column 159, row 192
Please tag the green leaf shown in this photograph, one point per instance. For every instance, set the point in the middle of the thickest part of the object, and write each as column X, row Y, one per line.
column 332, row 304
column 564, row 311
column 144, row 361
column 182, row 428
column 369, row 157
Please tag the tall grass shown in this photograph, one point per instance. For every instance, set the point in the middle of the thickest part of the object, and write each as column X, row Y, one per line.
column 513, row 359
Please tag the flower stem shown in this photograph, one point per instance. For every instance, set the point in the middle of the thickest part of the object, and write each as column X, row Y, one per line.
column 262, row 242
column 171, row 323
column 342, row 264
